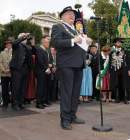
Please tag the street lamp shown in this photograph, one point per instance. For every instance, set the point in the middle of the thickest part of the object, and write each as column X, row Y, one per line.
column 78, row 5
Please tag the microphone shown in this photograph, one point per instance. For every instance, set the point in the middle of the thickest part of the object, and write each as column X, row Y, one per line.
column 96, row 18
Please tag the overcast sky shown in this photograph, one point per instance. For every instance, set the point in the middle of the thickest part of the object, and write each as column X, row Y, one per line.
column 22, row 9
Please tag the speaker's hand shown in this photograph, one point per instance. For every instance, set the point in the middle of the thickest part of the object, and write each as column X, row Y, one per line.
column 77, row 39
column 88, row 40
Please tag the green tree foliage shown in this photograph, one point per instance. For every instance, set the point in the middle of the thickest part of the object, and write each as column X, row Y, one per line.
column 91, row 29
column 108, row 25
column 15, row 27
column 103, row 8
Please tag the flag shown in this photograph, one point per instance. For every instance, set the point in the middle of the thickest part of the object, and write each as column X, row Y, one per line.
column 117, row 2
column 124, row 21
column 120, row 5
column 79, row 22
column 101, row 75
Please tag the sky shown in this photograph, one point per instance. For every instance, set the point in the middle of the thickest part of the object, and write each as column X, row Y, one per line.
column 22, row 9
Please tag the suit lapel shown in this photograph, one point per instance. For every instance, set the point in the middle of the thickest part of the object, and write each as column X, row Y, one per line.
column 70, row 31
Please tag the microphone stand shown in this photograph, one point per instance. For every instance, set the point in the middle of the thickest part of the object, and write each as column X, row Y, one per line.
column 100, row 127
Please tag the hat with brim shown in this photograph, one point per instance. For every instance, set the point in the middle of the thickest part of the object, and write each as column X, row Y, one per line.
column 93, row 46
column 66, row 9
column 106, row 49
column 118, row 40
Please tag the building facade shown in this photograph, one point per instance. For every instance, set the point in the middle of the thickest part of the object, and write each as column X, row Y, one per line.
column 45, row 21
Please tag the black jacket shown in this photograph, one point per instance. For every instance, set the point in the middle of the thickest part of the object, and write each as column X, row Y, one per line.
column 67, row 56
column 95, row 63
column 126, row 68
column 41, row 59
column 20, row 56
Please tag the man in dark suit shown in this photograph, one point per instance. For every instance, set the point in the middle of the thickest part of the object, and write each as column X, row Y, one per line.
column 42, row 70
column 116, row 71
column 126, row 76
column 94, row 65
column 19, row 66
column 70, row 61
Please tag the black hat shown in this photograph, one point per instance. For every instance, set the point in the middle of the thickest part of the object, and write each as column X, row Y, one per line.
column 93, row 45
column 106, row 48
column 69, row 8
column 118, row 40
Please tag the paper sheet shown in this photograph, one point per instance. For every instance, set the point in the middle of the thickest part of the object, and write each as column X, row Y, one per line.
column 85, row 42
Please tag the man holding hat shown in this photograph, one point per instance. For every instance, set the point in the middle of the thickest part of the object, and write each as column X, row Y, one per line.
column 19, row 66
column 70, row 61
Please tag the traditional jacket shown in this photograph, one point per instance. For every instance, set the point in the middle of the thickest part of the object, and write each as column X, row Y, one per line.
column 5, row 58
column 116, row 67
column 126, row 68
column 116, row 58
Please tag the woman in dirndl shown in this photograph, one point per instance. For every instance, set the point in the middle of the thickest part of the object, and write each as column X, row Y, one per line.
column 104, row 74
column 87, row 83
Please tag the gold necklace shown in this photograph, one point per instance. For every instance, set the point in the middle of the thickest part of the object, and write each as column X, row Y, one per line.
column 68, row 30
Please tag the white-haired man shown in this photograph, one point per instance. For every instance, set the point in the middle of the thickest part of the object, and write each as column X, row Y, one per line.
column 19, row 66
column 70, row 62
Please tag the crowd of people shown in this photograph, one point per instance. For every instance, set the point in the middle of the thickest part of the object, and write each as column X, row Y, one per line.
column 112, row 76
column 28, row 72
column 59, row 68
